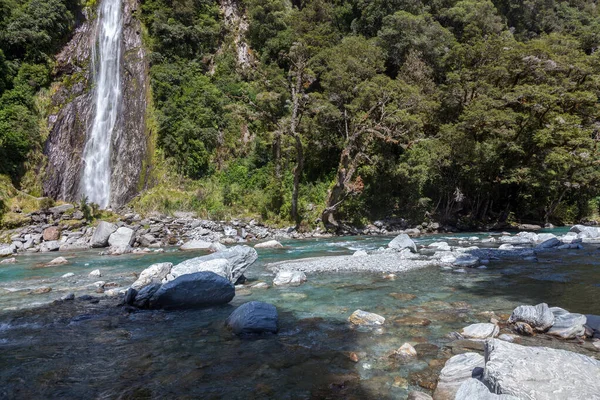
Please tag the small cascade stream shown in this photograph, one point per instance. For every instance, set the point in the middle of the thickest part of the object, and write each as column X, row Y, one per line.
column 95, row 183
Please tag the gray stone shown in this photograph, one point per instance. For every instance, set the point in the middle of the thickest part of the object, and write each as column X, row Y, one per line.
column 440, row 246
column 153, row 274
column 539, row 372
column 567, row 325
column 364, row 318
column 11, row 260
column 414, row 395
column 67, row 297
column 96, row 273
column 457, row 370
column 121, row 239
column 539, row 317
column 474, row 389
column 60, row 209
column 59, row 261
column 102, row 233
column 549, row 244
column 142, row 298
column 147, row 240
column 360, row 253
column 68, row 275
column 271, row 244
column 480, row 331
column 52, row 245
column 130, row 295
column 593, row 323
column 193, row 290
column 289, row 278
column 466, row 260
column 401, row 242
column 234, row 262
column 529, row 227
column 253, row 318
column 196, row 245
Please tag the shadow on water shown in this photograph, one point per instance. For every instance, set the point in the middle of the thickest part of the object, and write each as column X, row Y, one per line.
column 563, row 278
column 83, row 350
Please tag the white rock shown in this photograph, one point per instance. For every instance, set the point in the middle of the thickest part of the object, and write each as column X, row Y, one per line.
column 154, row 273
column 99, row 283
column 360, row 253
column 440, row 246
column 403, row 241
column 121, row 239
column 219, row 266
column 480, row 331
column 539, row 317
column 360, row 317
column 406, row 350
column 289, row 278
column 68, row 275
column 196, row 245
column 59, row 261
column 457, row 370
column 271, row 244
column 11, row 260
column 567, row 325
column 474, row 389
column 96, row 273
column 102, row 233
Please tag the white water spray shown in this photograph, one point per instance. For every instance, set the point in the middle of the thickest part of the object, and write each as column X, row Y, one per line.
column 107, row 79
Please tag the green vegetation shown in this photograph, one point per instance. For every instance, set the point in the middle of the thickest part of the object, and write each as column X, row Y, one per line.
column 460, row 111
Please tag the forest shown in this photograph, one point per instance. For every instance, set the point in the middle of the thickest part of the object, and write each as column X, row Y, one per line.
column 465, row 112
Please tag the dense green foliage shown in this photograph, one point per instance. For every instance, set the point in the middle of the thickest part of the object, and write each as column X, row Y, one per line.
column 31, row 32
column 471, row 110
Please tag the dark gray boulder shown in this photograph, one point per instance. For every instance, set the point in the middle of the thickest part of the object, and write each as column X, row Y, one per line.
column 593, row 323
column 142, row 298
column 193, row 290
column 102, row 233
column 254, row 317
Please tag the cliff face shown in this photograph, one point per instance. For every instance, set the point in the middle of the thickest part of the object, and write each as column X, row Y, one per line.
column 73, row 105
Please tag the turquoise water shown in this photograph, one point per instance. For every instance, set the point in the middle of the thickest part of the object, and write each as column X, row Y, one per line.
column 99, row 350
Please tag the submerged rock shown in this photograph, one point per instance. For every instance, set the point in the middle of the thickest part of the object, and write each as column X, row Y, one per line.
column 102, row 233
column 466, row 260
column 271, row 244
column 539, row 317
column 364, row 318
column 457, row 370
column 567, row 325
column 193, row 290
column 539, row 372
column 254, row 317
column 289, row 278
column 406, row 351
column 153, row 274
column 401, row 242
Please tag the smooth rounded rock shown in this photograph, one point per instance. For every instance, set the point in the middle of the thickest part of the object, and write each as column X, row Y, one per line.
column 198, row 289
column 254, row 317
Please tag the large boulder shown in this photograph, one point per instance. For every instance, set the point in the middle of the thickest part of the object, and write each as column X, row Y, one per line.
column 121, row 239
column 567, row 325
column 593, row 323
column 230, row 263
column 538, row 317
column 102, row 233
column 289, row 278
column 198, row 289
column 549, row 244
column 6, row 251
column 539, row 372
column 401, row 242
column 457, row 370
column 474, row 389
column 480, row 331
column 253, row 318
column 51, row 233
column 153, row 274
column 196, row 245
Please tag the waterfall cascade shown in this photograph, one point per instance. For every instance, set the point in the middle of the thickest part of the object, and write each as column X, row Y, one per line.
column 96, row 177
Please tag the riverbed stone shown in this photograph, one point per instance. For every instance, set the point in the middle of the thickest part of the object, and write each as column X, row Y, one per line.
column 474, row 389
column 401, row 242
column 198, row 289
column 289, row 278
column 102, row 233
column 52, row 245
column 271, row 244
column 234, row 262
column 567, row 325
column 121, row 239
column 440, row 246
column 364, row 318
column 58, row 261
column 457, row 370
column 593, row 324
column 96, row 273
column 539, row 372
column 147, row 240
column 154, row 273
column 480, row 331
column 549, row 244
column 254, row 317
column 539, row 317
column 143, row 296
column 360, row 253
column 11, row 260
column 466, row 260
column 415, row 395
column 406, row 351
column 196, row 245
column 51, row 233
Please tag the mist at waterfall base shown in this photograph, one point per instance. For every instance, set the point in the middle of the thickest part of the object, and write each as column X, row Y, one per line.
column 95, row 181
column 79, row 349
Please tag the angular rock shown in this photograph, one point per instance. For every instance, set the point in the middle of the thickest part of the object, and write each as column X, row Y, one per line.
column 51, row 233
column 440, row 246
column 567, row 325
column 153, row 274
column 52, row 245
column 474, row 389
column 254, row 317
column 142, row 298
column 238, row 258
column 539, row 317
column 196, row 245
column 549, row 244
column 466, row 260
column 271, row 244
column 364, row 318
column 102, row 233
column 406, row 351
column 60, row 209
column 457, row 370
column 68, row 297
column 539, row 372
column 216, row 247
column 219, row 266
column 96, row 273
column 523, row 328
column 121, row 239
column 480, row 331
column 147, row 240
column 289, row 278
column 193, row 290
column 59, row 261
column 401, row 242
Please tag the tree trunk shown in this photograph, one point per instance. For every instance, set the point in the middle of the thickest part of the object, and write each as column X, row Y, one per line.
column 340, row 191
column 296, row 89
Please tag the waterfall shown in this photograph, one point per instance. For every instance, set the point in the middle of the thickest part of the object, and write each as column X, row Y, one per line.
column 106, row 57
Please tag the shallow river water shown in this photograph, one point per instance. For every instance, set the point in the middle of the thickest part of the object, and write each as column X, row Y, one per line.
column 88, row 349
